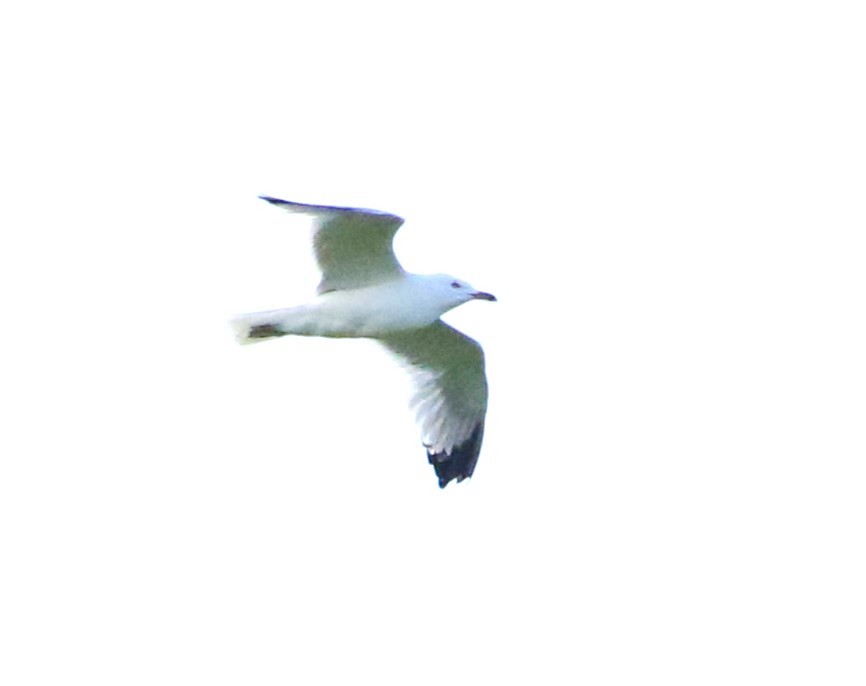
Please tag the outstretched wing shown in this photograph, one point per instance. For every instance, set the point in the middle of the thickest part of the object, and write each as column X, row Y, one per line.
column 450, row 397
column 353, row 247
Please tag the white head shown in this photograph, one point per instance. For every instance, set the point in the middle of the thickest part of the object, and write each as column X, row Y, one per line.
column 452, row 292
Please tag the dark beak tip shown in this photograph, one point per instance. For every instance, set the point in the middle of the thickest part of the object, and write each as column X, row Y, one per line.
column 485, row 296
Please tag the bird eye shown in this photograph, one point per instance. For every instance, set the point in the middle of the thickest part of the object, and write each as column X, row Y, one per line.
column 455, row 284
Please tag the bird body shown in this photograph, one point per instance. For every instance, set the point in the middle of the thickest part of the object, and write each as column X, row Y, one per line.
column 410, row 302
column 365, row 293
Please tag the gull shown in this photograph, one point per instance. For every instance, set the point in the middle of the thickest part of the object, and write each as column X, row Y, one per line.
column 365, row 293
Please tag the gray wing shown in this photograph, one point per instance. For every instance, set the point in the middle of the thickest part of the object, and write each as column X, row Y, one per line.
column 353, row 247
column 450, row 395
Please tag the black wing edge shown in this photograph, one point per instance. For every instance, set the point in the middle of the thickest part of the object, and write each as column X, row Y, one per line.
column 461, row 462
column 332, row 208
column 277, row 201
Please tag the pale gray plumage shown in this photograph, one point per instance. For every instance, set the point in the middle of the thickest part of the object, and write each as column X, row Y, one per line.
column 364, row 292
column 353, row 247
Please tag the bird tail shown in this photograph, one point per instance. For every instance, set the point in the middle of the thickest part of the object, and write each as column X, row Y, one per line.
column 260, row 326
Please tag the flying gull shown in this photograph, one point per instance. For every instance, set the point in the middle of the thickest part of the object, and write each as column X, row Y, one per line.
column 365, row 293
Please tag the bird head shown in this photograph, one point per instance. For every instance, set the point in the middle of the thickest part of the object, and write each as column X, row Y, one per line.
column 454, row 291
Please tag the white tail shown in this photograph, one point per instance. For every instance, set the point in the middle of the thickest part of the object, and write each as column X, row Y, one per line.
column 260, row 326
column 257, row 326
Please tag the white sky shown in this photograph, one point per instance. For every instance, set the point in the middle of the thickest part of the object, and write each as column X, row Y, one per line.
column 667, row 199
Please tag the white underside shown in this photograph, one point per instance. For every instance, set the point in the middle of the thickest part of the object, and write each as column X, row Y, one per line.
column 372, row 312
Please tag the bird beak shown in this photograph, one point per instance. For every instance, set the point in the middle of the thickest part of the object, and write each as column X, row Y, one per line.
column 480, row 295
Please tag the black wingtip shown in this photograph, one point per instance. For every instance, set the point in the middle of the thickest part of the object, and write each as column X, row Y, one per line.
column 461, row 462
column 275, row 201
column 376, row 215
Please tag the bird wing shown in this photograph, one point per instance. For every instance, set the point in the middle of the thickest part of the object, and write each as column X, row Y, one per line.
column 353, row 247
column 450, row 394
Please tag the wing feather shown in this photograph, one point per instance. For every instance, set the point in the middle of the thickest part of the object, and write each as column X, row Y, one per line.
column 353, row 247
column 450, row 395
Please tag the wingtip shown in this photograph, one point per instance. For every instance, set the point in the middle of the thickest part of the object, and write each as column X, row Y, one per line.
column 444, row 481
column 460, row 464
column 329, row 209
column 274, row 201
